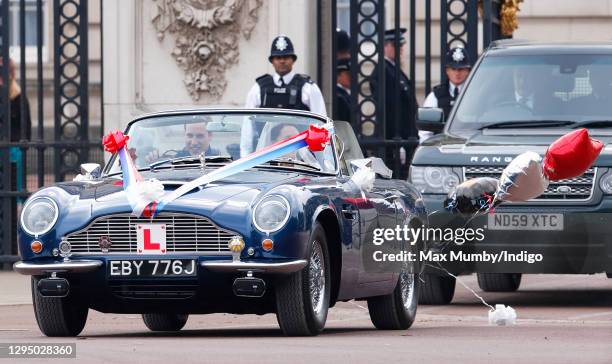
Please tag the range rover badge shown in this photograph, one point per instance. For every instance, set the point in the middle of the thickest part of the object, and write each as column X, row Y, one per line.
column 564, row 189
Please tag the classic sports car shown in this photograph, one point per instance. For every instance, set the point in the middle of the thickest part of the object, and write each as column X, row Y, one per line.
column 290, row 236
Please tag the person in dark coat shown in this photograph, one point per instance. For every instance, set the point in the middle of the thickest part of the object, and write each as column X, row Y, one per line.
column 343, row 92
column 15, row 97
column 18, row 132
column 343, row 45
column 400, row 124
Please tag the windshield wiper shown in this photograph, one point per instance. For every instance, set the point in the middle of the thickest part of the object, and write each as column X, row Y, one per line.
column 191, row 158
column 526, row 124
column 281, row 162
column 593, row 124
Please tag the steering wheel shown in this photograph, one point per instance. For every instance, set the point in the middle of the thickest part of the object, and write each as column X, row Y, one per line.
column 170, row 153
column 306, row 156
column 512, row 104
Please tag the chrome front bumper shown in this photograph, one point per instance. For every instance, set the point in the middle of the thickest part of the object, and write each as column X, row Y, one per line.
column 71, row 266
column 224, row 266
column 239, row 266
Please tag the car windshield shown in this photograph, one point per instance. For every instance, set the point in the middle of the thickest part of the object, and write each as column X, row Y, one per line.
column 539, row 91
column 221, row 138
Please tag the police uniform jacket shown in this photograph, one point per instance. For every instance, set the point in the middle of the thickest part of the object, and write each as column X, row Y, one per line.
column 343, row 105
column 442, row 96
column 407, row 102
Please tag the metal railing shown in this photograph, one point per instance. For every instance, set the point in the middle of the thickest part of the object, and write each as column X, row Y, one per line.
column 27, row 161
column 457, row 25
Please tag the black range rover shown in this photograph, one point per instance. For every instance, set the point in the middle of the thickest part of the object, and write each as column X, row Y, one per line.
column 521, row 96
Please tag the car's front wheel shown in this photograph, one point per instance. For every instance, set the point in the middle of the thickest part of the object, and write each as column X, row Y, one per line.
column 302, row 298
column 397, row 310
column 59, row 316
column 499, row 282
column 164, row 321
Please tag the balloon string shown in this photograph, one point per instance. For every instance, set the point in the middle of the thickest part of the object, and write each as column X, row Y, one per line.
column 463, row 284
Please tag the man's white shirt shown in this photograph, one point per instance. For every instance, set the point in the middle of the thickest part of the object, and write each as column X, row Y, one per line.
column 311, row 97
column 432, row 101
column 348, row 91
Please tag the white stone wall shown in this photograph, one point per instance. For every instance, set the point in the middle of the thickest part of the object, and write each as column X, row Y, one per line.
column 142, row 76
column 560, row 20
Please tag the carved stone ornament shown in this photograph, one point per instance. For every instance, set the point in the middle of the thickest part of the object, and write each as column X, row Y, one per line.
column 206, row 36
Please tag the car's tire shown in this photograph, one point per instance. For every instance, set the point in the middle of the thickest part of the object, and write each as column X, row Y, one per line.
column 499, row 282
column 59, row 316
column 397, row 310
column 300, row 310
column 437, row 290
column 164, row 321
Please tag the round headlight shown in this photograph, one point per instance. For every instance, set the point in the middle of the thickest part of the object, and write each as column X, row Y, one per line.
column 271, row 213
column 606, row 183
column 39, row 215
column 433, row 179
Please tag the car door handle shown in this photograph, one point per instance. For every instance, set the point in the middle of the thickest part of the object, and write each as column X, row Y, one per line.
column 349, row 212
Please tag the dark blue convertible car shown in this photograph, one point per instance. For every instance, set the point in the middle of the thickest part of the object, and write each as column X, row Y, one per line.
column 291, row 236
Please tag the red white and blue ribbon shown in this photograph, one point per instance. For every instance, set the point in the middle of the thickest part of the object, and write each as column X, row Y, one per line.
column 315, row 138
column 147, row 196
column 142, row 194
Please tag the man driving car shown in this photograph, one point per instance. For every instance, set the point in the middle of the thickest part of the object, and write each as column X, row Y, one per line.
column 197, row 141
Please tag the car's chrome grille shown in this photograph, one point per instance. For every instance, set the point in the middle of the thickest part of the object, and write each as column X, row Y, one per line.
column 185, row 233
column 573, row 189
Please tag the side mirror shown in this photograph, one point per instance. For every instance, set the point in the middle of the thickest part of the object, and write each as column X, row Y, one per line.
column 430, row 119
column 376, row 164
column 91, row 171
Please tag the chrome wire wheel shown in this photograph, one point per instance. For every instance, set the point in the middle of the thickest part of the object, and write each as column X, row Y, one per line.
column 316, row 278
column 407, row 289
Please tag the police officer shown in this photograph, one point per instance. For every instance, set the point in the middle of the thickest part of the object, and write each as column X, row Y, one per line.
column 283, row 89
column 343, row 91
column 406, row 102
column 444, row 95
column 343, row 45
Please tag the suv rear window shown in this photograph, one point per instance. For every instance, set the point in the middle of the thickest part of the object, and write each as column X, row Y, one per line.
column 537, row 88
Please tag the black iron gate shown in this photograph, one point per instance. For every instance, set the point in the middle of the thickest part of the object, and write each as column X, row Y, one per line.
column 62, row 139
column 457, row 25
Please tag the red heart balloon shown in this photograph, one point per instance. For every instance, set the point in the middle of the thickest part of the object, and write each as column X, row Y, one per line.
column 114, row 141
column 571, row 155
column 317, row 138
